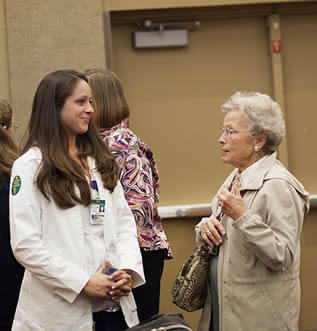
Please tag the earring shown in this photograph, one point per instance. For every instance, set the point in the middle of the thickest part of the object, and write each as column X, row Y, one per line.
column 256, row 148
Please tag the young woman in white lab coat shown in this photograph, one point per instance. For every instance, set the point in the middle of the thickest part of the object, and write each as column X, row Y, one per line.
column 57, row 233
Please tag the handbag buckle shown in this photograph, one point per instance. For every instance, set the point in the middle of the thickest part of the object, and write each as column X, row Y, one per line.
column 215, row 250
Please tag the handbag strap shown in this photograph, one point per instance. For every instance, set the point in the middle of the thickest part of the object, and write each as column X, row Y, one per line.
column 171, row 327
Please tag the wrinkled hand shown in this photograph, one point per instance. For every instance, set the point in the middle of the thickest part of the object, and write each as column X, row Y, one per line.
column 232, row 204
column 212, row 231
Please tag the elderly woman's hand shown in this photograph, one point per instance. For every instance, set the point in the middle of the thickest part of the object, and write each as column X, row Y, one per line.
column 212, row 231
column 232, row 204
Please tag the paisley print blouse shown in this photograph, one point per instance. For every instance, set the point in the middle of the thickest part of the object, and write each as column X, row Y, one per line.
column 140, row 181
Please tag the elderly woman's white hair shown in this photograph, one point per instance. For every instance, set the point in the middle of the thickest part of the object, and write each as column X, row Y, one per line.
column 263, row 115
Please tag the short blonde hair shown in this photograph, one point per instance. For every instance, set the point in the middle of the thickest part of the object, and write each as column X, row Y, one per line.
column 263, row 115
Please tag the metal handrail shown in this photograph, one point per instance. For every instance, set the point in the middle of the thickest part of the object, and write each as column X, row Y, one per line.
column 203, row 209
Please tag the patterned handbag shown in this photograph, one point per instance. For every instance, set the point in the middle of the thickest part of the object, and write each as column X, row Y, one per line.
column 190, row 287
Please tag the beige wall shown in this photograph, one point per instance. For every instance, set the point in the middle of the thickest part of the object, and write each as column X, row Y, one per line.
column 44, row 36
column 308, row 318
column 179, row 93
column 299, row 40
column 4, row 70
column 156, row 4
column 175, row 97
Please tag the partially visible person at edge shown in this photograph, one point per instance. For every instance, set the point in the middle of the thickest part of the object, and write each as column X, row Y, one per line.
column 64, row 174
column 254, row 281
column 139, row 178
column 11, row 272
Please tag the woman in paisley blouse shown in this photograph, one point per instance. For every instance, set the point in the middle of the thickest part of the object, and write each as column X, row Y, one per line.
column 140, row 181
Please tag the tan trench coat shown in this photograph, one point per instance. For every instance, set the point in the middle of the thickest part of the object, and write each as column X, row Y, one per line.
column 258, row 265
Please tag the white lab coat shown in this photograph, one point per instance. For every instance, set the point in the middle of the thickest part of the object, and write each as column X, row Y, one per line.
column 49, row 242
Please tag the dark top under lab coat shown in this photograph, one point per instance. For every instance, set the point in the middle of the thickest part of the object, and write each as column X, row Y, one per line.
column 11, row 272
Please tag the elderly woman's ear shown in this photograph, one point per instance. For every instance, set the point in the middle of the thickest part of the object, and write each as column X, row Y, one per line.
column 259, row 143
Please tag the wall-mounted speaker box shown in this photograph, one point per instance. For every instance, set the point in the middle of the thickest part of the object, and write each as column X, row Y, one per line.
column 157, row 39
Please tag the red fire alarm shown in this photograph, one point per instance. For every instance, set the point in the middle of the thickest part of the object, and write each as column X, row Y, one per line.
column 276, row 46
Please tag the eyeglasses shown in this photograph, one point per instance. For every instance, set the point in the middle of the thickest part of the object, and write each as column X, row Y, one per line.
column 229, row 131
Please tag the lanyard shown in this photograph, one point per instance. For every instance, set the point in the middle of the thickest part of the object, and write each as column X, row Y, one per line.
column 94, row 186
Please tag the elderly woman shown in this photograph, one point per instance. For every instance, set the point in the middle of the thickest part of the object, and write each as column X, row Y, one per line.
column 256, row 222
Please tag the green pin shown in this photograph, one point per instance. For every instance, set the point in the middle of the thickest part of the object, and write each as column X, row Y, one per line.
column 16, row 185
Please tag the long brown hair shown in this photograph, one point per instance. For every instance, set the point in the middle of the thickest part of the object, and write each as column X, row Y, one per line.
column 59, row 173
column 8, row 150
column 111, row 106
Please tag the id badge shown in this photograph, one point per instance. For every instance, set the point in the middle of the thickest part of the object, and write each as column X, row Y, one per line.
column 97, row 211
